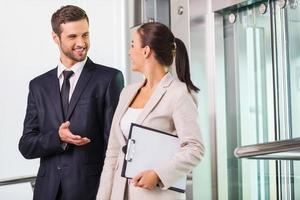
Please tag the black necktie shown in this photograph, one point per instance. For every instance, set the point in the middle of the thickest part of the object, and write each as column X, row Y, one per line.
column 65, row 91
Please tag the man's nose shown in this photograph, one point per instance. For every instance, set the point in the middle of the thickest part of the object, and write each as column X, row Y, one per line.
column 80, row 41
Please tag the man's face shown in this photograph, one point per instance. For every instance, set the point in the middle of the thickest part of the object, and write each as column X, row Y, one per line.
column 73, row 42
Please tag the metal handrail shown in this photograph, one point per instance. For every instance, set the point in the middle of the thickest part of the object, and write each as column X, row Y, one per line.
column 278, row 150
column 17, row 180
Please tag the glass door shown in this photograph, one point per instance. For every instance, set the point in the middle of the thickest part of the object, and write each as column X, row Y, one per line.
column 249, row 99
column 262, row 91
column 287, row 17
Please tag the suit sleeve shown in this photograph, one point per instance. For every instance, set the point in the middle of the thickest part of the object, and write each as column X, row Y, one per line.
column 34, row 143
column 185, row 118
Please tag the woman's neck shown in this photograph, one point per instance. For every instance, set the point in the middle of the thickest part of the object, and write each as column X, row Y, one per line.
column 154, row 76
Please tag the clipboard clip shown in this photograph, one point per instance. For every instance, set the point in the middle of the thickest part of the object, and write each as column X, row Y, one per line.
column 130, row 150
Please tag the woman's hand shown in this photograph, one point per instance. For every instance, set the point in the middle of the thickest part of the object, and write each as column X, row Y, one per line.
column 146, row 179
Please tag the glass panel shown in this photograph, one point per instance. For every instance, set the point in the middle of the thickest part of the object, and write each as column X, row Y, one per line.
column 261, row 50
column 266, row 177
column 249, row 76
column 249, row 102
column 258, row 181
column 157, row 10
column 291, row 14
column 293, row 41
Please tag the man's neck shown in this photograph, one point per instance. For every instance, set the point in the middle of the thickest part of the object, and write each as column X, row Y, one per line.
column 68, row 63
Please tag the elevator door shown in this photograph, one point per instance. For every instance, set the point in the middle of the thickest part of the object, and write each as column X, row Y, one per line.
column 262, row 91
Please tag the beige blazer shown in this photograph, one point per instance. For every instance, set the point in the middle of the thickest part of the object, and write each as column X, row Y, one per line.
column 172, row 109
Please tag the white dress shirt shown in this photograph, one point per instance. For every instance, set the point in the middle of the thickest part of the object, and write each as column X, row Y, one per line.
column 76, row 68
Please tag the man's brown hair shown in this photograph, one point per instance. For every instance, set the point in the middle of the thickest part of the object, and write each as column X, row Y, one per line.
column 67, row 14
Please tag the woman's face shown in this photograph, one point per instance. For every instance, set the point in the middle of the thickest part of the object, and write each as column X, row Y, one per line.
column 137, row 53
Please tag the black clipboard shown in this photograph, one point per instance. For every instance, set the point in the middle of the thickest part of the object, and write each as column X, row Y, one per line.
column 144, row 151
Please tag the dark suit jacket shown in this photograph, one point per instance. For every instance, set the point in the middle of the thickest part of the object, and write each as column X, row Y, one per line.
column 77, row 168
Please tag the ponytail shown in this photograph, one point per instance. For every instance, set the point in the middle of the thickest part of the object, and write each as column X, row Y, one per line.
column 183, row 66
column 162, row 41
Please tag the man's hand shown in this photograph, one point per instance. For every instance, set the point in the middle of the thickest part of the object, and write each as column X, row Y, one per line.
column 146, row 179
column 68, row 137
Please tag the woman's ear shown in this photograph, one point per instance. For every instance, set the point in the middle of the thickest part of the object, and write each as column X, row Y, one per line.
column 147, row 51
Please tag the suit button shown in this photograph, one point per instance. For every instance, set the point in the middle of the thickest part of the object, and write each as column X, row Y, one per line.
column 58, row 167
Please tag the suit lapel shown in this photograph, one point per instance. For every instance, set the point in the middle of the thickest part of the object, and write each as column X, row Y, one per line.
column 155, row 97
column 54, row 93
column 130, row 96
column 80, row 86
column 127, row 101
column 152, row 102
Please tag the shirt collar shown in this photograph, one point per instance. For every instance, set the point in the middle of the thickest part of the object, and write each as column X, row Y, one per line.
column 76, row 68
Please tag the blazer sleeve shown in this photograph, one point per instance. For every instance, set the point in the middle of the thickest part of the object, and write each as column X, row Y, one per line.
column 34, row 143
column 111, row 101
column 110, row 162
column 185, row 118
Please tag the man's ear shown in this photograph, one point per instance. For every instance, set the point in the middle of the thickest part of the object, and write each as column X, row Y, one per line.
column 147, row 51
column 55, row 38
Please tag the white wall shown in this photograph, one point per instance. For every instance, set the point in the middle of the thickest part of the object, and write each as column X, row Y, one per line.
column 27, row 50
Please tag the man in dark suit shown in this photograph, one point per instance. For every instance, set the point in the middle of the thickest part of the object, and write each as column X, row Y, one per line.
column 69, row 114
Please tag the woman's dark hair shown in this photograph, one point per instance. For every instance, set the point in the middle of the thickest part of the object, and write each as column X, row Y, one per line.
column 68, row 13
column 162, row 41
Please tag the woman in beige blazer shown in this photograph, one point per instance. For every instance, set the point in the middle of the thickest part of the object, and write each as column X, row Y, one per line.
column 158, row 102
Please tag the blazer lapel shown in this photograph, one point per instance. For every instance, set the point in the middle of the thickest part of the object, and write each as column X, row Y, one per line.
column 130, row 96
column 155, row 97
column 123, row 108
column 80, row 86
column 152, row 102
column 54, row 93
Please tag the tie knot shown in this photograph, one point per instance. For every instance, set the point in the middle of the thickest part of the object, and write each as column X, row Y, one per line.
column 67, row 74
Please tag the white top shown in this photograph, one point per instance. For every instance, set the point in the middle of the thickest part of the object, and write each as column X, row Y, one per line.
column 76, row 68
column 130, row 116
